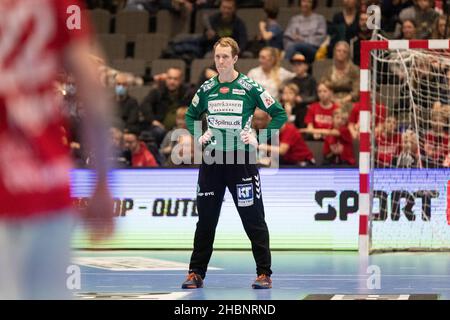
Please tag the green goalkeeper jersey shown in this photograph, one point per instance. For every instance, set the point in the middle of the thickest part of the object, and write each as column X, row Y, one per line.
column 228, row 107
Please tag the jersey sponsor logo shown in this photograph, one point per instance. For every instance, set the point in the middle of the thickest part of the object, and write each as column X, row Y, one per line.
column 225, row 106
column 323, row 119
column 244, row 84
column 239, row 92
column 195, row 100
column 205, row 194
column 225, row 122
column 208, row 85
column 253, row 83
column 245, row 194
column 267, row 99
column 224, row 90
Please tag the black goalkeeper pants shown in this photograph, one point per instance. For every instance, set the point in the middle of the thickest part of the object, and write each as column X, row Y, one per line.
column 244, row 184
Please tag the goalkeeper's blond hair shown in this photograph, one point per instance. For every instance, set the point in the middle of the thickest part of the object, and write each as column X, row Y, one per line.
column 228, row 42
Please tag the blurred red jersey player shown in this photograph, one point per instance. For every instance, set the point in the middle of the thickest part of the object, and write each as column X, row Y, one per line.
column 37, row 40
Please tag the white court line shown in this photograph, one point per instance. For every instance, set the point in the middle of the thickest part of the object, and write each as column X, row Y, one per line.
column 278, row 276
column 444, row 289
column 233, row 274
column 315, row 279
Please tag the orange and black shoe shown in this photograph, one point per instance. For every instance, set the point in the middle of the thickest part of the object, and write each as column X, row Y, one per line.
column 193, row 281
column 263, row 281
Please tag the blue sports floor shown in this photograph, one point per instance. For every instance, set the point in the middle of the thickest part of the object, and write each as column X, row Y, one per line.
column 296, row 274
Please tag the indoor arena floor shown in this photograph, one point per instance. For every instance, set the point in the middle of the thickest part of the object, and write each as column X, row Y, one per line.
column 297, row 275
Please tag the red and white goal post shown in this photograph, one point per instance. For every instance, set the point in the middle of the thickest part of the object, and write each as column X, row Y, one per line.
column 404, row 145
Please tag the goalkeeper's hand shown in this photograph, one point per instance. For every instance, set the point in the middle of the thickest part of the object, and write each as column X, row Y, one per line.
column 205, row 137
column 249, row 138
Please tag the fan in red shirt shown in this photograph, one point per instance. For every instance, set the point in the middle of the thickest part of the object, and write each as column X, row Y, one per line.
column 292, row 149
column 388, row 143
column 353, row 120
column 436, row 142
column 140, row 155
column 297, row 150
column 38, row 38
column 338, row 143
column 320, row 114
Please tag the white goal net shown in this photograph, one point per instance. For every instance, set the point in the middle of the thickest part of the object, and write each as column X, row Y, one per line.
column 410, row 98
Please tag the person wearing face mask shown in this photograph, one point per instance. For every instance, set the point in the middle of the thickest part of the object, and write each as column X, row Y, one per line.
column 128, row 107
column 73, row 112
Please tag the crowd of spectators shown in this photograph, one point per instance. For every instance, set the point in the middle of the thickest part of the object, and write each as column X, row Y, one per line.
column 324, row 109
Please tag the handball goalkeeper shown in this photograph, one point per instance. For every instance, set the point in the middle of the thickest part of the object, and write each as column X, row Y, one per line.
column 229, row 101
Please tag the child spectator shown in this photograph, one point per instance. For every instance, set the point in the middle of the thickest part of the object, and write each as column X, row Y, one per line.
column 436, row 143
column 388, row 143
column 338, row 143
column 168, row 144
column 292, row 149
column 320, row 114
column 182, row 152
column 409, row 156
column 295, row 111
column 121, row 156
column 446, row 162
